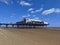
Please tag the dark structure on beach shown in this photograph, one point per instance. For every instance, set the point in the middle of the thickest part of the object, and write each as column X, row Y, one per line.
column 26, row 23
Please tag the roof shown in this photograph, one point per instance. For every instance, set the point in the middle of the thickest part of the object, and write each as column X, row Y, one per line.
column 28, row 20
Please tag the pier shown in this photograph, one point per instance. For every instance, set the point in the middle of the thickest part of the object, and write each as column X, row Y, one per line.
column 25, row 23
column 22, row 25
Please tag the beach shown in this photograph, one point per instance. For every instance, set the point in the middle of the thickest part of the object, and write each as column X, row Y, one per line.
column 30, row 36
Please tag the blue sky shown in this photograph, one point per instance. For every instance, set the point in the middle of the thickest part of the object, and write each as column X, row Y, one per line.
column 12, row 11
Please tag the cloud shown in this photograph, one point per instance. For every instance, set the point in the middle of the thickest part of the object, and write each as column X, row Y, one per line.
column 28, row 15
column 58, row 10
column 12, row 2
column 52, row 10
column 36, row 17
column 35, row 11
column 31, row 9
column 49, row 11
column 13, row 15
column 5, row 1
column 23, row 16
column 39, row 10
column 24, row 3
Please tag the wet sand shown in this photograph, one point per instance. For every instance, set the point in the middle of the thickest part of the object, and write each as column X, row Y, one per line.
column 43, row 36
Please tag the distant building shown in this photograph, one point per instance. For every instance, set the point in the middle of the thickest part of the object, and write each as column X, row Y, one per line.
column 35, row 22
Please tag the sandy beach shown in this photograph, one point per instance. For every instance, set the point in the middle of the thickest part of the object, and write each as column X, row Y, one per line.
column 42, row 36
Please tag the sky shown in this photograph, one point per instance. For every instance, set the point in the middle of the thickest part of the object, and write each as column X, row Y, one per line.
column 12, row 11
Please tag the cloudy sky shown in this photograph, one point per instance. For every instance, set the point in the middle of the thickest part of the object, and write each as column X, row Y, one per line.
column 14, row 10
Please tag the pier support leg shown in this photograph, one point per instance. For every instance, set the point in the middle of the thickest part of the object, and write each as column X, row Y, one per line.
column 13, row 26
column 6, row 26
column 17, row 26
column 0, row 26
